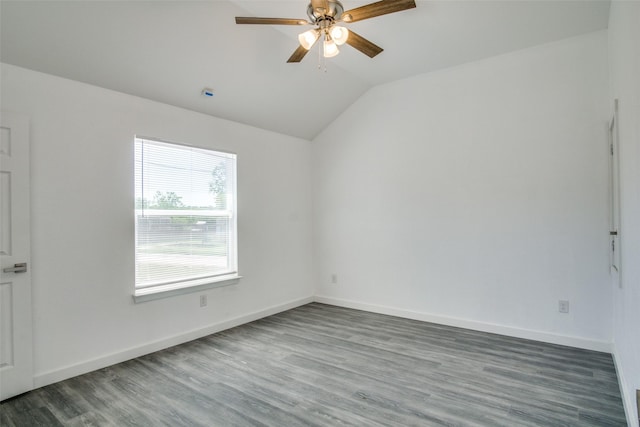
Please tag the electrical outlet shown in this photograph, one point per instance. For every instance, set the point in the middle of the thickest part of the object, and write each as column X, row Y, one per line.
column 203, row 300
column 563, row 306
column 334, row 278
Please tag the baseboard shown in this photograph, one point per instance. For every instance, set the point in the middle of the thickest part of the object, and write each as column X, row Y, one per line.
column 627, row 401
column 471, row 324
column 50, row 377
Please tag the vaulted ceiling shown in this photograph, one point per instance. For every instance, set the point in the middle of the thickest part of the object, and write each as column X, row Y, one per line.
column 169, row 51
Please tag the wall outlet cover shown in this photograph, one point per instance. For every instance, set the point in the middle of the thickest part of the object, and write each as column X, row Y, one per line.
column 563, row 306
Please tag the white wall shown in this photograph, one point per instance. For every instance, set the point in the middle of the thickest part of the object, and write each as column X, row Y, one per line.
column 83, row 229
column 624, row 61
column 474, row 196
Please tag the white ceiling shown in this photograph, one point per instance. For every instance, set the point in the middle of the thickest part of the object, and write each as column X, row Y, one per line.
column 169, row 50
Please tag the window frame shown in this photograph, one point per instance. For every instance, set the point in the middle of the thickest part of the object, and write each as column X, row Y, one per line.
column 178, row 287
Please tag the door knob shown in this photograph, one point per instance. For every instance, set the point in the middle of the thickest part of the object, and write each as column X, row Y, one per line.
column 21, row 267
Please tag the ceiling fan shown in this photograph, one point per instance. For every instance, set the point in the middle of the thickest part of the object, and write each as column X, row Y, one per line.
column 325, row 15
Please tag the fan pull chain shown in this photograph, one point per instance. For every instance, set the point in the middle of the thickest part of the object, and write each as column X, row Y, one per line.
column 322, row 61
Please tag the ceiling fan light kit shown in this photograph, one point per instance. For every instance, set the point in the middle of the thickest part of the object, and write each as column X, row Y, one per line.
column 330, row 48
column 325, row 14
column 309, row 38
column 339, row 34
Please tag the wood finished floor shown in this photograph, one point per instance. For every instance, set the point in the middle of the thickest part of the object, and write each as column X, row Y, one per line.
column 319, row 365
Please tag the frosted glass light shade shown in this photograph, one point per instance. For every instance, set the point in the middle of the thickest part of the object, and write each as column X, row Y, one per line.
column 308, row 38
column 339, row 34
column 330, row 48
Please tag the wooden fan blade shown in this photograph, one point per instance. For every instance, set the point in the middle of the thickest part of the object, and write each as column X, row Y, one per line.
column 298, row 54
column 378, row 8
column 363, row 45
column 270, row 21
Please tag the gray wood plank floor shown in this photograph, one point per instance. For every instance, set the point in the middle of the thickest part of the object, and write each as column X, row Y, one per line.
column 320, row 365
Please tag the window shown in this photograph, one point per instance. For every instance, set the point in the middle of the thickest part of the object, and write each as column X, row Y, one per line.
column 185, row 216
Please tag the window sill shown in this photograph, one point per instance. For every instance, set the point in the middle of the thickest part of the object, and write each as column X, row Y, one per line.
column 158, row 292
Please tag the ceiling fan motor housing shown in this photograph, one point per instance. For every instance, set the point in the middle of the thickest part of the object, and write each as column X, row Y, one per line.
column 331, row 12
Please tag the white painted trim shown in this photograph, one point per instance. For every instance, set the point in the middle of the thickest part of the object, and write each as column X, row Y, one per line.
column 472, row 324
column 50, row 377
column 165, row 291
column 627, row 401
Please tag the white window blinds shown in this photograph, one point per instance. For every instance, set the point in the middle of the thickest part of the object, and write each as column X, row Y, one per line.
column 185, row 202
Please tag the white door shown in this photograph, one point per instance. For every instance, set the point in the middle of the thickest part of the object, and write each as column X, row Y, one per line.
column 16, row 352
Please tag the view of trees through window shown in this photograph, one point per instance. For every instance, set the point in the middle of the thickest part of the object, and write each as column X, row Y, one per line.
column 185, row 224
